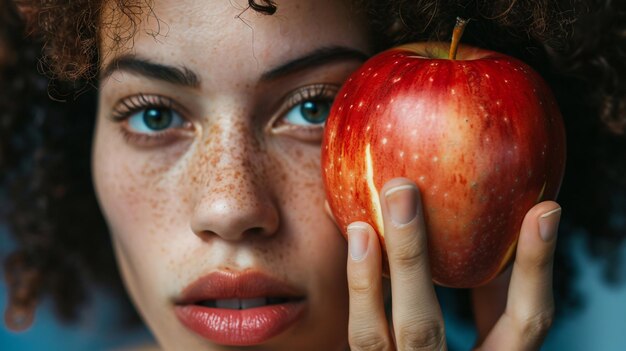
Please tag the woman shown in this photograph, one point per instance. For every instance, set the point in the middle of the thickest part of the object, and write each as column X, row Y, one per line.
column 206, row 167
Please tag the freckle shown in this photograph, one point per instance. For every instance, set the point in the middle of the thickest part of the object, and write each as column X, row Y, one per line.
column 262, row 249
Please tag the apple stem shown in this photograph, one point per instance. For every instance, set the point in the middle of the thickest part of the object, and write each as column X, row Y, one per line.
column 459, row 27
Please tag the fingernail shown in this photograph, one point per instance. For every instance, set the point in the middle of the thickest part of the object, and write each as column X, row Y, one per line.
column 549, row 224
column 357, row 241
column 402, row 203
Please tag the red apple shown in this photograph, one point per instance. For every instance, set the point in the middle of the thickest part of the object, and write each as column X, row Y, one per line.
column 481, row 135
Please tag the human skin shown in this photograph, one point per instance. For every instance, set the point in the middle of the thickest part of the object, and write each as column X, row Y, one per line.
column 187, row 208
column 232, row 191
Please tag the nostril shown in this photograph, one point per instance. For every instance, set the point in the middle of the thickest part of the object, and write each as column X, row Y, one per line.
column 224, row 218
column 206, row 235
column 256, row 231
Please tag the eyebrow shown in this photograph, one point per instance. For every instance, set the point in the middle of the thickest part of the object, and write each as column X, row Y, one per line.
column 318, row 57
column 184, row 76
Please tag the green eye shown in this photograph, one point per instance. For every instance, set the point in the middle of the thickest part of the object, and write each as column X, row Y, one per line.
column 154, row 119
column 309, row 112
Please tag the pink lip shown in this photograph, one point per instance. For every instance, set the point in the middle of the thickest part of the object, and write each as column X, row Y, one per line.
column 239, row 327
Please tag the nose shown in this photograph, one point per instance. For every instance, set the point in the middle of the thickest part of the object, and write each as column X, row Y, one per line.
column 234, row 200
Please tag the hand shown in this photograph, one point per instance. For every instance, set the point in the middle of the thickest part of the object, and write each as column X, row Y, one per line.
column 417, row 322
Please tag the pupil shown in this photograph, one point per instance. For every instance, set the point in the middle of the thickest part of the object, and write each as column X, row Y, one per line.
column 315, row 112
column 157, row 119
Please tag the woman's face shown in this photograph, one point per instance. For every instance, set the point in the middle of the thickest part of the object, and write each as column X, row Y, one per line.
column 207, row 167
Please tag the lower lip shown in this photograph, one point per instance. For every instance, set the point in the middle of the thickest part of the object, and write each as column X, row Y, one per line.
column 240, row 327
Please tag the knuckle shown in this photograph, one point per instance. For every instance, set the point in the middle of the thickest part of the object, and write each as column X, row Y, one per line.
column 544, row 262
column 426, row 336
column 409, row 255
column 360, row 285
column 536, row 261
column 536, row 327
column 540, row 262
column 367, row 341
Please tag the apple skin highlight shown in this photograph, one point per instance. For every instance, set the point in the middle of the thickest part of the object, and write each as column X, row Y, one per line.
column 481, row 136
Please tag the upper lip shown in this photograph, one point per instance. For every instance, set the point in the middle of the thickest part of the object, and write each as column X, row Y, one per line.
column 236, row 285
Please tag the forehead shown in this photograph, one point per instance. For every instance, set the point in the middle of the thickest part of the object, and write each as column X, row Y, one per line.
column 219, row 37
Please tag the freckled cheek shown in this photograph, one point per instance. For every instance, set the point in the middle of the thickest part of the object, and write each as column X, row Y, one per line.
column 137, row 204
column 302, row 199
column 319, row 250
column 303, row 186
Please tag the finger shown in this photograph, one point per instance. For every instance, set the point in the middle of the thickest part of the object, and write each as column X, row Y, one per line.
column 367, row 326
column 530, row 304
column 417, row 319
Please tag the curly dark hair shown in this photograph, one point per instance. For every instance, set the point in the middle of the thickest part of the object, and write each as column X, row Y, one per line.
column 50, row 206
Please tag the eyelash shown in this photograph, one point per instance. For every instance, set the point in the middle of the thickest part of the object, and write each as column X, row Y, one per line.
column 128, row 106
column 133, row 104
column 312, row 92
column 136, row 103
column 316, row 92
